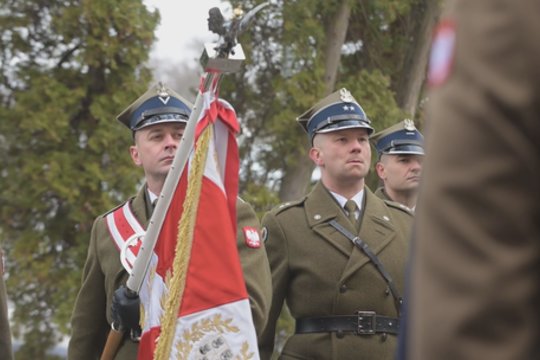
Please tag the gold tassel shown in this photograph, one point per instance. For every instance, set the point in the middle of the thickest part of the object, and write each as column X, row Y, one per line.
column 183, row 248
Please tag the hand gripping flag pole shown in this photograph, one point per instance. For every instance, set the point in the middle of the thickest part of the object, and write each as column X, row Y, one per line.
column 225, row 56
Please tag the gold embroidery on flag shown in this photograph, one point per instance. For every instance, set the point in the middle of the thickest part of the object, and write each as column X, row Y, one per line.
column 205, row 341
column 148, row 285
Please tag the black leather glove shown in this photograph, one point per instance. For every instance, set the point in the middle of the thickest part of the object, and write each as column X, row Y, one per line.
column 125, row 312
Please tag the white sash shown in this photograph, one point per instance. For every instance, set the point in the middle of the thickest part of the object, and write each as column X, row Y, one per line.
column 127, row 233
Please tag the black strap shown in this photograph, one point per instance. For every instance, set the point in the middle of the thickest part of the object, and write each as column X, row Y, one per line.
column 398, row 300
column 363, row 323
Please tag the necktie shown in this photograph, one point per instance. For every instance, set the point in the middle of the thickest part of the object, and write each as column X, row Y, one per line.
column 154, row 205
column 351, row 208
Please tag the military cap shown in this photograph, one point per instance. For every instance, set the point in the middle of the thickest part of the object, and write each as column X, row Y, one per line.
column 401, row 138
column 337, row 111
column 159, row 104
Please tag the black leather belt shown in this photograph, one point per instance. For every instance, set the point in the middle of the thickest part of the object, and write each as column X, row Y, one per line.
column 363, row 323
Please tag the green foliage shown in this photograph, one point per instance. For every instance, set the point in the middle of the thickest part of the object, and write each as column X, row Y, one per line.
column 68, row 67
column 260, row 198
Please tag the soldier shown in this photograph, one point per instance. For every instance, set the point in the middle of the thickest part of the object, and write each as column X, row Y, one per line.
column 475, row 266
column 401, row 151
column 340, row 271
column 5, row 334
column 157, row 120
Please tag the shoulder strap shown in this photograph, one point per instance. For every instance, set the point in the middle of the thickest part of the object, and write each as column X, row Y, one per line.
column 398, row 300
column 126, row 232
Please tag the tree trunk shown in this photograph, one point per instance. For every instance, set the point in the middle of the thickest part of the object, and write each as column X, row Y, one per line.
column 296, row 178
column 297, row 175
column 336, row 30
column 424, row 17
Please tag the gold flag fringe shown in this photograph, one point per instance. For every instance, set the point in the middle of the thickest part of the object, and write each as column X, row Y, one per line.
column 183, row 248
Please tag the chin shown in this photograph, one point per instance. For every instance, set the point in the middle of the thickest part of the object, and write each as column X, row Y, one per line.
column 164, row 171
column 353, row 178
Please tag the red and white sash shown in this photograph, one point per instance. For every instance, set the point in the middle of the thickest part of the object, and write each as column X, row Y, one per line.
column 127, row 233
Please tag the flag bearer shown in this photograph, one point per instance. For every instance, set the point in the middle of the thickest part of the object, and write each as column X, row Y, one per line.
column 157, row 120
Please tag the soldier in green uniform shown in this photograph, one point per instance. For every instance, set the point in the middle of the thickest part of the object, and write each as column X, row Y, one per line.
column 401, row 152
column 5, row 334
column 474, row 276
column 340, row 271
column 157, row 119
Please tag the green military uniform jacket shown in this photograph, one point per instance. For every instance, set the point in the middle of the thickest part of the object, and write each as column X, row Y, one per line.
column 380, row 193
column 103, row 274
column 319, row 272
column 5, row 334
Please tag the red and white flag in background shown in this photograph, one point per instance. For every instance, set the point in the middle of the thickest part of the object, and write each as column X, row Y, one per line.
column 214, row 319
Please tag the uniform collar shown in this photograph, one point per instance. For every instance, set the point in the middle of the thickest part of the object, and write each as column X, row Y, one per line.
column 341, row 200
column 151, row 196
column 141, row 205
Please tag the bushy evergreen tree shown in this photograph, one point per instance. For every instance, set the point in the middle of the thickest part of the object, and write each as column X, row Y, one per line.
column 66, row 69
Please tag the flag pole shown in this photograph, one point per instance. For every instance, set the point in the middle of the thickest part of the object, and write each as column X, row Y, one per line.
column 142, row 262
column 218, row 58
column 224, row 56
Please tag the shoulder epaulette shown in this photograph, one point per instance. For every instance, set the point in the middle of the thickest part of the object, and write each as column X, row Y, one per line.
column 116, row 207
column 287, row 205
column 399, row 206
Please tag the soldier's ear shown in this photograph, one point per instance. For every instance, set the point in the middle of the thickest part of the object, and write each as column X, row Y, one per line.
column 315, row 156
column 379, row 167
column 134, row 152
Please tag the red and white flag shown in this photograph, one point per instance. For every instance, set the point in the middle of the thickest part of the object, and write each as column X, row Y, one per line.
column 214, row 317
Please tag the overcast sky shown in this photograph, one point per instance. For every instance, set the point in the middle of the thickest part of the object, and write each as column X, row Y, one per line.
column 183, row 26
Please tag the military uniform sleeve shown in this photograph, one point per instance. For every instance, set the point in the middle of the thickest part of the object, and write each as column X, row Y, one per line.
column 88, row 323
column 5, row 335
column 254, row 265
column 276, row 247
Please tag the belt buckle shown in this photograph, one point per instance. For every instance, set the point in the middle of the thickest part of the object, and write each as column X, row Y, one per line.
column 366, row 322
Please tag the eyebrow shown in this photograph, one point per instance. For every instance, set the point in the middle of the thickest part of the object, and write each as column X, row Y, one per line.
column 155, row 130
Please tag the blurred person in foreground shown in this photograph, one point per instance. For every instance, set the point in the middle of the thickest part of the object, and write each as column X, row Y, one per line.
column 475, row 276
column 5, row 333
column 338, row 254
column 157, row 120
column 400, row 149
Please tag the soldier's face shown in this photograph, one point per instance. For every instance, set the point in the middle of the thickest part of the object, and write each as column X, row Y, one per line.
column 155, row 147
column 344, row 156
column 400, row 172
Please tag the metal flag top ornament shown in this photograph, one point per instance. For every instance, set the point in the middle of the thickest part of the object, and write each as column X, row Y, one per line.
column 187, row 272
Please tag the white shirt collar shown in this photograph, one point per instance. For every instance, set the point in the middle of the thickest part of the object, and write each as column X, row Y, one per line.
column 358, row 199
column 152, row 196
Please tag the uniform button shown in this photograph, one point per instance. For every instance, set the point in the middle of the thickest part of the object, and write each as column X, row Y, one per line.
column 343, row 288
